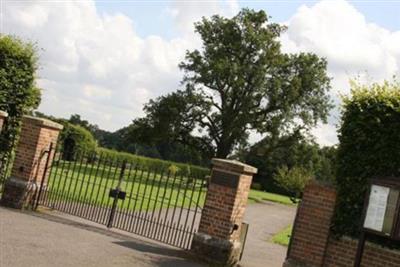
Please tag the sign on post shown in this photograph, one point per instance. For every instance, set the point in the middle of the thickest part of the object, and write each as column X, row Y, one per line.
column 382, row 210
column 381, row 213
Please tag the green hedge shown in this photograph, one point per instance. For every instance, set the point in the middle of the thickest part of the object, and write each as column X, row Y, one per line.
column 75, row 139
column 156, row 164
column 369, row 147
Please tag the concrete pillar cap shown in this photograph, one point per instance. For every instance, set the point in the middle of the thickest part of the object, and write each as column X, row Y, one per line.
column 3, row 114
column 233, row 165
column 43, row 122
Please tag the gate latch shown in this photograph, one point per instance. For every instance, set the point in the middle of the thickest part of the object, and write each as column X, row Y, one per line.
column 115, row 193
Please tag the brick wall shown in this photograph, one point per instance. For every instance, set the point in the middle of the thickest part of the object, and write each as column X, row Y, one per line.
column 311, row 244
column 342, row 253
column 35, row 138
column 217, row 240
column 225, row 205
column 311, row 230
column 30, row 160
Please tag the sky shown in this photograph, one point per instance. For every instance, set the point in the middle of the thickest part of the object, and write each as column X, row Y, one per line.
column 105, row 59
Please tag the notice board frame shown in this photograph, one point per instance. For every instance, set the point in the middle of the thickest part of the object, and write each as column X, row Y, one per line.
column 392, row 183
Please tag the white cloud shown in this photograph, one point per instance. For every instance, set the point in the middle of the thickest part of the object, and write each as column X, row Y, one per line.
column 186, row 13
column 95, row 64
column 352, row 46
column 98, row 66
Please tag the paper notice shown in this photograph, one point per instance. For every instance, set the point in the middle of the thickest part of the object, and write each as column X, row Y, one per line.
column 376, row 208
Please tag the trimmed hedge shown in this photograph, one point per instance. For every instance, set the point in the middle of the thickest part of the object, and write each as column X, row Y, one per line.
column 76, row 139
column 369, row 148
column 156, row 164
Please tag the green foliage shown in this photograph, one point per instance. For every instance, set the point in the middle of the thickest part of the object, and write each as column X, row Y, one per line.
column 369, row 148
column 270, row 154
column 256, row 186
column 173, row 169
column 293, row 180
column 76, row 140
column 155, row 164
column 167, row 128
column 242, row 81
column 18, row 92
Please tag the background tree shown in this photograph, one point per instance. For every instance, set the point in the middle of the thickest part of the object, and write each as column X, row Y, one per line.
column 241, row 80
column 293, row 180
column 18, row 92
column 295, row 150
column 168, row 126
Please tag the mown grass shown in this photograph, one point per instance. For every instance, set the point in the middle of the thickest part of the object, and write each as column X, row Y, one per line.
column 256, row 196
column 145, row 190
column 283, row 237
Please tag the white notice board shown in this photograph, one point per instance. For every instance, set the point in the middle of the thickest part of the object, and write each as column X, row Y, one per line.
column 376, row 208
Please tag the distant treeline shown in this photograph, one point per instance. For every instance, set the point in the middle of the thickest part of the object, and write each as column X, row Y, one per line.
column 268, row 155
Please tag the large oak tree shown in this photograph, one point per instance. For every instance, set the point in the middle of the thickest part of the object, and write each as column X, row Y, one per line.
column 241, row 81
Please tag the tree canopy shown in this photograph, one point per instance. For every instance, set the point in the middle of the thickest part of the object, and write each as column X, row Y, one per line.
column 240, row 81
column 293, row 152
column 18, row 91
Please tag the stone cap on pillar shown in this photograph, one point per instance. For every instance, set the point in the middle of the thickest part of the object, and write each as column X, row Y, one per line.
column 3, row 114
column 233, row 165
column 43, row 122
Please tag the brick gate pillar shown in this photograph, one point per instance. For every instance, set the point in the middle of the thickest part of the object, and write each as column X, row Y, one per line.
column 3, row 116
column 30, row 160
column 312, row 226
column 217, row 240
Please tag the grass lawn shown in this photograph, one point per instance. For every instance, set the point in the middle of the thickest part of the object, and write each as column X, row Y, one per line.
column 145, row 190
column 258, row 196
column 283, row 237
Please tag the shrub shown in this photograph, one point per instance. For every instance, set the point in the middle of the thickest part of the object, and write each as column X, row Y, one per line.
column 155, row 164
column 18, row 92
column 256, row 186
column 293, row 180
column 369, row 147
column 75, row 140
column 173, row 169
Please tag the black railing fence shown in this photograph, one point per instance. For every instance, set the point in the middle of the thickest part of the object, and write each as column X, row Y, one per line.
column 163, row 205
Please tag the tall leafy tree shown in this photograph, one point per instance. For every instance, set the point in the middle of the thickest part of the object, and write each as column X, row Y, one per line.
column 18, row 91
column 292, row 151
column 168, row 126
column 241, row 81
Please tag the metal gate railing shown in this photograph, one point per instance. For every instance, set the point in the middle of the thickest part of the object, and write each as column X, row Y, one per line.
column 157, row 204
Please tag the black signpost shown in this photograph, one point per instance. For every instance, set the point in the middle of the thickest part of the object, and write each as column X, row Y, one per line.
column 381, row 215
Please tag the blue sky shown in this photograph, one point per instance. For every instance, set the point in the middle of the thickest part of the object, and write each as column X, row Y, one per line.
column 151, row 18
column 105, row 59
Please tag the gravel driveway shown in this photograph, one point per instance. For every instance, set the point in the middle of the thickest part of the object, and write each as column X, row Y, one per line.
column 55, row 239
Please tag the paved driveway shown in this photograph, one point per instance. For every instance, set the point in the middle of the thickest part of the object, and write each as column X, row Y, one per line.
column 265, row 220
column 43, row 239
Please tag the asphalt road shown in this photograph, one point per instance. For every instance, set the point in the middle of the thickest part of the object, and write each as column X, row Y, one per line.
column 55, row 239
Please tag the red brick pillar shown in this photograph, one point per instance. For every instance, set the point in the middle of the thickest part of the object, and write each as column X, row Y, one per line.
column 312, row 226
column 217, row 240
column 3, row 116
column 30, row 159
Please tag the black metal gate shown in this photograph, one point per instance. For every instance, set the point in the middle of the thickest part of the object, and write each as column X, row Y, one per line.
column 163, row 204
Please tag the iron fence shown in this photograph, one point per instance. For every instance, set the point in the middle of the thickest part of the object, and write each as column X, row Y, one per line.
column 160, row 204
